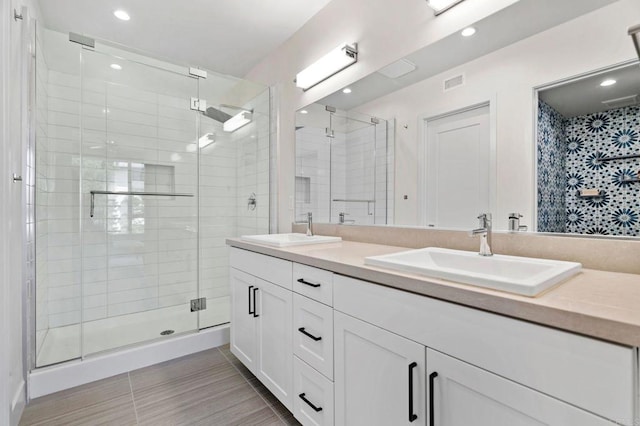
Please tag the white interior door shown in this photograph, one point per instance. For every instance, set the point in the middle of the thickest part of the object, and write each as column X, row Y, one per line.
column 457, row 168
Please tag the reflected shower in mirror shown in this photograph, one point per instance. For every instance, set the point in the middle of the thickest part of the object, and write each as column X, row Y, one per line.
column 344, row 166
column 588, row 144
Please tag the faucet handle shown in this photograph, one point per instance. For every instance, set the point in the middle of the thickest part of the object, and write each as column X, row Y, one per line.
column 484, row 220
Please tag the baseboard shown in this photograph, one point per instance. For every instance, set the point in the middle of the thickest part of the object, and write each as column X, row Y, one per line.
column 48, row 380
column 18, row 403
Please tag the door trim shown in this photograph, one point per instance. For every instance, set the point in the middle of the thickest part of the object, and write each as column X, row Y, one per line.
column 423, row 119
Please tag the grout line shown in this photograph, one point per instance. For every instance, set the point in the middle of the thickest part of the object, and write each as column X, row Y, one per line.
column 135, row 409
column 252, row 387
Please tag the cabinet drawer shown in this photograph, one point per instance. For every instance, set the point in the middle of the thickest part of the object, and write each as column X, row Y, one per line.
column 268, row 268
column 313, row 334
column 313, row 395
column 314, row 283
column 591, row 374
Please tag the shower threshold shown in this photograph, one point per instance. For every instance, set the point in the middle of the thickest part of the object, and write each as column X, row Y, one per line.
column 62, row 344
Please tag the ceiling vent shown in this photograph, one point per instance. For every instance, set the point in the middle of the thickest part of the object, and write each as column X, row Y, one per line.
column 453, row 82
column 398, row 69
column 621, row 102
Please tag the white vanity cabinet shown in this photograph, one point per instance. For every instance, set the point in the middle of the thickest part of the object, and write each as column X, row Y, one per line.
column 338, row 350
column 578, row 374
column 460, row 394
column 379, row 376
column 262, row 318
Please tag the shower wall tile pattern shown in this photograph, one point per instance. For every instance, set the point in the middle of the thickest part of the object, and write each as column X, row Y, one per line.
column 552, row 177
column 607, row 134
column 569, row 150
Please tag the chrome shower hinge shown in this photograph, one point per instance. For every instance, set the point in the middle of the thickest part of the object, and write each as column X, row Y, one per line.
column 199, row 304
column 196, row 72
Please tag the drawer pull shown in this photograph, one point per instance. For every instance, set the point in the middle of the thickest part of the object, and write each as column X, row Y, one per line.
column 412, row 415
column 432, row 377
column 249, row 298
column 255, row 313
column 306, row 333
column 309, row 403
column 303, row 281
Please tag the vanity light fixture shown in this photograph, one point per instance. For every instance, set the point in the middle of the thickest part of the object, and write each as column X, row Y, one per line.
column 468, row 32
column 122, row 15
column 608, row 82
column 346, row 90
column 116, row 67
column 237, row 121
column 440, row 6
column 332, row 63
column 634, row 32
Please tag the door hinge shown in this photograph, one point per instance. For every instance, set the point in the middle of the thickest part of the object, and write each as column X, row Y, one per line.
column 199, row 304
column 198, row 104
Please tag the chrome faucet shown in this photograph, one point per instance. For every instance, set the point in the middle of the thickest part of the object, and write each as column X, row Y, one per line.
column 309, row 224
column 484, row 231
column 341, row 219
column 514, row 222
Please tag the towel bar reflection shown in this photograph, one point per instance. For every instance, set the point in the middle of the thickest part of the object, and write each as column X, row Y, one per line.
column 155, row 194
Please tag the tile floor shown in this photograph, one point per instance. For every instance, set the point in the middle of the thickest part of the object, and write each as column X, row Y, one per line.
column 207, row 388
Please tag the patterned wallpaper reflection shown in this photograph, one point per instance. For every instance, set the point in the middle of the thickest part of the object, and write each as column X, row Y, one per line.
column 587, row 139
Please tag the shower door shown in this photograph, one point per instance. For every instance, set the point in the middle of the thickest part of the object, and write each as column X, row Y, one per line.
column 234, row 181
column 359, row 169
column 138, row 202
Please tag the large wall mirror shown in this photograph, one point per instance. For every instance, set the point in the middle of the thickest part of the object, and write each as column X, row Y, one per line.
column 462, row 126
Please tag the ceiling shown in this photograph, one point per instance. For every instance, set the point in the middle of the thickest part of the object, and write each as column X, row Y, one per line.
column 516, row 22
column 586, row 96
column 226, row 36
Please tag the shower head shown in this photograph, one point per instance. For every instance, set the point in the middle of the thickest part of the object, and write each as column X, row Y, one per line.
column 217, row 115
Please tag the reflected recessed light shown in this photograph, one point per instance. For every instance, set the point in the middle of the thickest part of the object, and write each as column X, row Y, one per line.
column 468, row 32
column 347, row 90
column 304, row 111
column 116, row 67
column 122, row 15
column 608, row 82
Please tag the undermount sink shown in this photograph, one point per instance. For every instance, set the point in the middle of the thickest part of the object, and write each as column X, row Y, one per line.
column 285, row 240
column 520, row 275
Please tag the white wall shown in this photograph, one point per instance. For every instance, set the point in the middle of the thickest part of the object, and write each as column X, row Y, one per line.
column 508, row 76
column 385, row 31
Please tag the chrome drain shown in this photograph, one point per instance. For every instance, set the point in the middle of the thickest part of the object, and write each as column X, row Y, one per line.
column 167, row 332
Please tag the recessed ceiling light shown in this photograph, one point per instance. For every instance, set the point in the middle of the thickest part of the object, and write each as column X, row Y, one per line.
column 116, row 67
column 468, row 32
column 122, row 15
column 608, row 82
column 347, row 90
column 304, row 111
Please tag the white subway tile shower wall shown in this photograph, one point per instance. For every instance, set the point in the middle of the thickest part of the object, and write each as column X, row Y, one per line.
column 139, row 253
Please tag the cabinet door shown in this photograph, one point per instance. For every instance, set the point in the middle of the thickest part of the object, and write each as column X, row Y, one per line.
column 379, row 376
column 243, row 323
column 466, row 395
column 274, row 308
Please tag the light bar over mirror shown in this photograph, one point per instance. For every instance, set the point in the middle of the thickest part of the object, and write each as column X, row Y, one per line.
column 237, row 121
column 634, row 32
column 440, row 6
column 330, row 64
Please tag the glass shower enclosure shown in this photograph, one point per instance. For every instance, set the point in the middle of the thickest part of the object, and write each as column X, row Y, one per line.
column 344, row 166
column 143, row 168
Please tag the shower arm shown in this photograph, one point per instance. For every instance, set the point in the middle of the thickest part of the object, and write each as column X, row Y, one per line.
column 155, row 194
